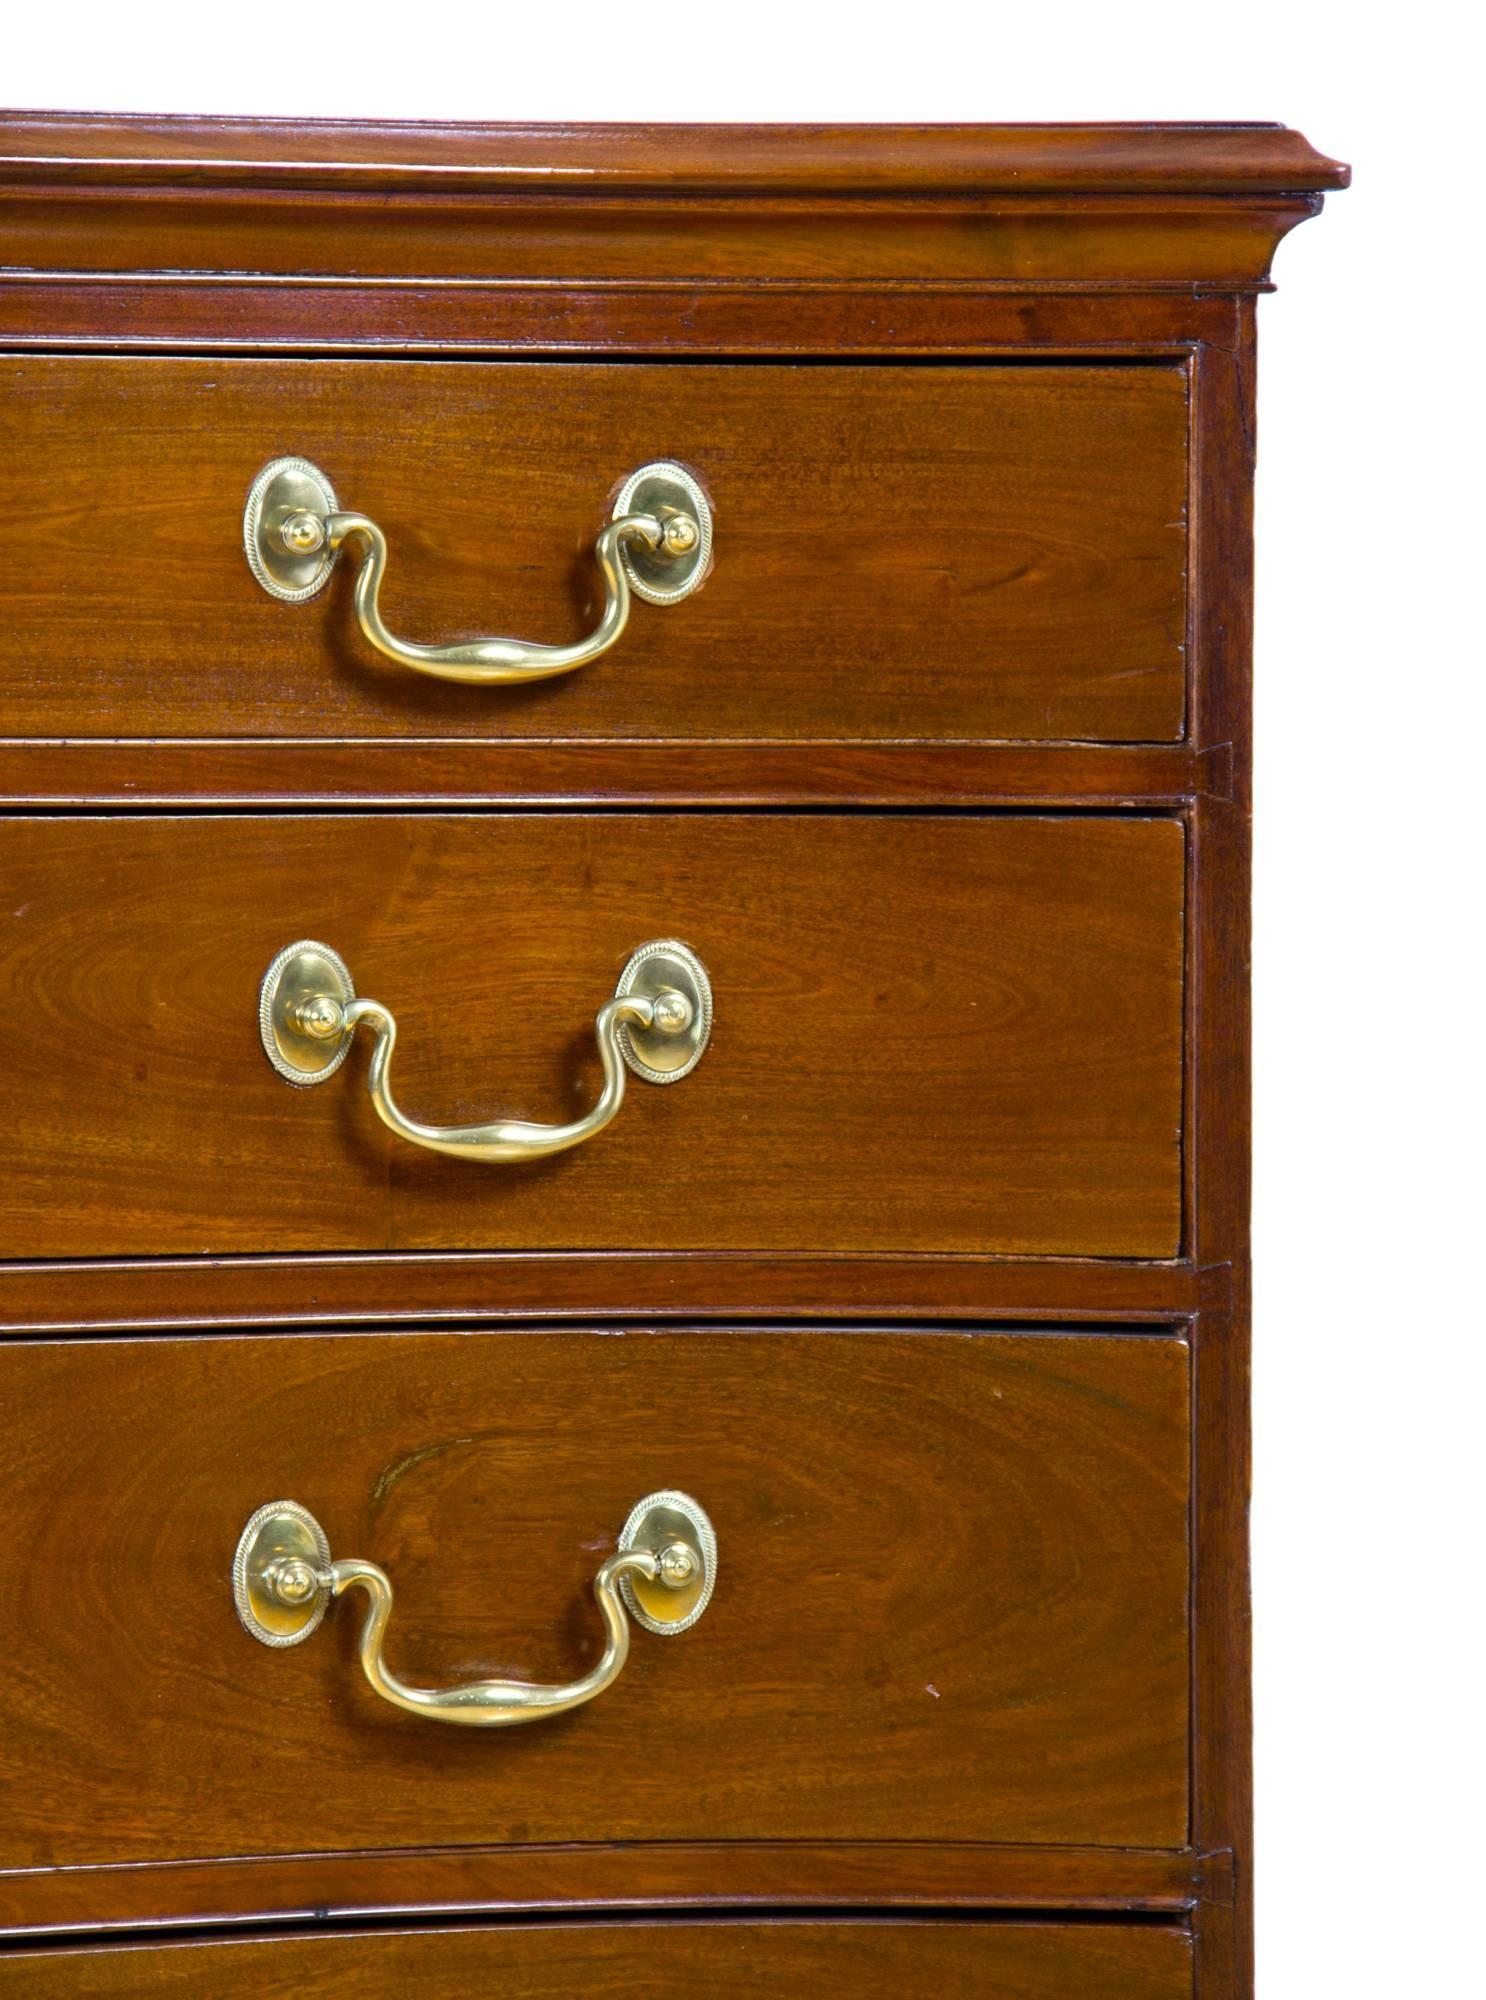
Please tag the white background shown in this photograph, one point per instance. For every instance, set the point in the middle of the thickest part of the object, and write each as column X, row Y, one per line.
column 1368, row 909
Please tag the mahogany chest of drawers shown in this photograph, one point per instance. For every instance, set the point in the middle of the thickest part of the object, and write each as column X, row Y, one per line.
column 730, row 649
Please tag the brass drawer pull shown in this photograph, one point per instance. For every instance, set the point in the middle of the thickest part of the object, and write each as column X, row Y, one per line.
column 657, row 545
column 658, row 1024
column 662, row 1573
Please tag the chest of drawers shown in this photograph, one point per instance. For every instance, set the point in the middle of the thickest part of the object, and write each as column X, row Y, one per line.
column 732, row 650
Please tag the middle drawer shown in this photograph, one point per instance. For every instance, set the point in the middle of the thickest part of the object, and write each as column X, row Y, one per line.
column 932, row 1034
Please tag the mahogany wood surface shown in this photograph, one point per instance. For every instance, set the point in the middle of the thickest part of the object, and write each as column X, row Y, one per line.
column 629, row 1875
column 226, row 312
column 1161, row 207
column 1217, row 1154
column 291, row 776
column 932, row 1034
column 1121, row 250
column 900, row 553
column 952, row 1595
column 1203, row 157
column 641, row 1961
column 402, row 1287
column 1147, row 241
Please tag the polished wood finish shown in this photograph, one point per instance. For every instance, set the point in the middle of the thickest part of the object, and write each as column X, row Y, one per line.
column 641, row 1961
column 1145, row 206
column 1104, row 247
column 884, row 1074
column 956, row 1599
column 1217, row 1155
column 599, row 776
column 1149, row 241
column 901, row 553
column 403, row 1288
column 144, row 312
column 639, row 1876
column 1212, row 157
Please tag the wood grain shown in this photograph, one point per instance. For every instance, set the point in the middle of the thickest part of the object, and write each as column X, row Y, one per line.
column 1209, row 157
column 56, row 306
column 629, row 1876
column 981, row 553
column 236, row 239
column 952, row 1599
column 933, row 1035
column 603, row 775
column 1148, row 242
column 653, row 1961
column 1218, row 1162
column 362, row 1288
column 1144, row 207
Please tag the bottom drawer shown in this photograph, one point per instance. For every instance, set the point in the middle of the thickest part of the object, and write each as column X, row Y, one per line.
column 950, row 1604
column 659, row 1961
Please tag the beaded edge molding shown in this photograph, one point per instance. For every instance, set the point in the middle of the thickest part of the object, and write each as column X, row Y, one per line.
column 706, row 1541
column 252, row 512
column 240, row 1595
column 676, row 949
column 697, row 568
column 266, row 992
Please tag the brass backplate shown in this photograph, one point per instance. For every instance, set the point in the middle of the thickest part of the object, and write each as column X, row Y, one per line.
column 301, row 972
column 665, row 490
column 283, row 1531
column 658, row 1522
column 666, row 966
column 287, row 486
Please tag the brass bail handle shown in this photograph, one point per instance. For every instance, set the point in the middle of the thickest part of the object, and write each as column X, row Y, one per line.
column 657, row 1025
column 657, row 545
column 661, row 1575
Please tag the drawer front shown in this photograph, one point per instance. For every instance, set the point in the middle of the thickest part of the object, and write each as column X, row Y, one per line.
column 642, row 1961
column 951, row 1596
column 952, row 1034
column 991, row 552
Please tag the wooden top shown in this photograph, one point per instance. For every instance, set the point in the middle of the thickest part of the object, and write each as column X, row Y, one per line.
column 901, row 160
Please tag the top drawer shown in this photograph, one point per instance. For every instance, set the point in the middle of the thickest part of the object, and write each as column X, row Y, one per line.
column 901, row 551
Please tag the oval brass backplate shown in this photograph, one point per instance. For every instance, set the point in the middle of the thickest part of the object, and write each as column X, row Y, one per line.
column 658, row 1522
column 665, row 490
column 283, row 1531
column 287, row 487
column 301, row 972
column 666, row 966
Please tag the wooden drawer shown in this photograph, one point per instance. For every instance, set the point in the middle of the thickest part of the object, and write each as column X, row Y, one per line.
column 951, row 1599
column 967, row 553
column 903, row 1960
column 955, row 1034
